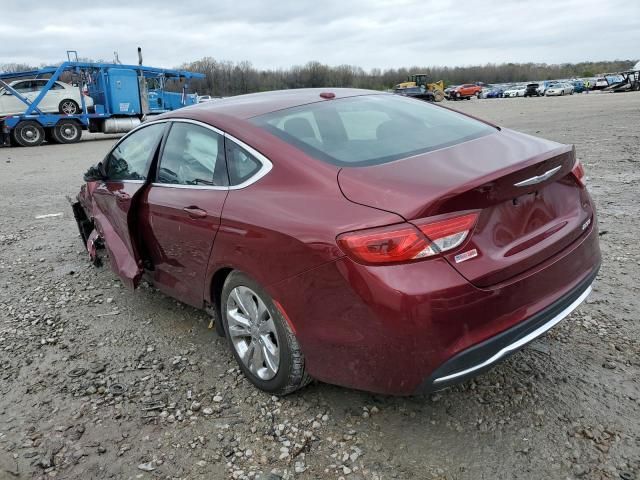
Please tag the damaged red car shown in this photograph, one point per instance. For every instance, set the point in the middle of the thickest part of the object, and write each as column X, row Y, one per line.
column 358, row 238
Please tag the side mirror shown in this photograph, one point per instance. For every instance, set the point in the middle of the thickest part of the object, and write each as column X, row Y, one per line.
column 95, row 173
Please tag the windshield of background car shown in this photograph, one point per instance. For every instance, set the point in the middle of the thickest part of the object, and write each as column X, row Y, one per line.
column 371, row 129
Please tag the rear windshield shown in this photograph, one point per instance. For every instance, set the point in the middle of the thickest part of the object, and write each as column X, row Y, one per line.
column 371, row 129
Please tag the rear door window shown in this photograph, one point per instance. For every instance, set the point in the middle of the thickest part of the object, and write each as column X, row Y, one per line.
column 193, row 155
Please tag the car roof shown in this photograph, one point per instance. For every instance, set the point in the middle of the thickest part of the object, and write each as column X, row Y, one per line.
column 32, row 80
column 254, row 104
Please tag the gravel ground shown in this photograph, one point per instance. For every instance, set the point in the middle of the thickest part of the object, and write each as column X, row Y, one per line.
column 100, row 382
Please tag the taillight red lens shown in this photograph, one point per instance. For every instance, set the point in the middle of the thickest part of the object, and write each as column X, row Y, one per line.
column 578, row 172
column 404, row 242
column 396, row 243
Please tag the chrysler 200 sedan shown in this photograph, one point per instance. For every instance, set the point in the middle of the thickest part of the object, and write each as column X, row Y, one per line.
column 358, row 238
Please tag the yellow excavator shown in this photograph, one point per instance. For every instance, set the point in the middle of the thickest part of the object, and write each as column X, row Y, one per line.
column 433, row 92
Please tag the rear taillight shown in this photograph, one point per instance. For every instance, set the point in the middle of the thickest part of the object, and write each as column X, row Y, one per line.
column 578, row 172
column 406, row 242
column 448, row 234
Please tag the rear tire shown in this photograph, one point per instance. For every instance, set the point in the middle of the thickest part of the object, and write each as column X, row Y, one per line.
column 66, row 131
column 261, row 328
column 69, row 107
column 28, row 134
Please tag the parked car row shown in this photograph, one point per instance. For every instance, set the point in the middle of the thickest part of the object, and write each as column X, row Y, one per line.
column 533, row 89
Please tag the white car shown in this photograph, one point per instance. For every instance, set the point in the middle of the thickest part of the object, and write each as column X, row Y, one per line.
column 559, row 89
column 515, row 91
column 61, row 98
column 600, row 83
column 207, row 98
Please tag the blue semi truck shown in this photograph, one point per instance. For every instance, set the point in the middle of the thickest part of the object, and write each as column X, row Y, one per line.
column 122, row 96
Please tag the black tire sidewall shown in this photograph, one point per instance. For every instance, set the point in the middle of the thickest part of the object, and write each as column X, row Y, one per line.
column 282, row 378
column 17, row 133
column 60, row 139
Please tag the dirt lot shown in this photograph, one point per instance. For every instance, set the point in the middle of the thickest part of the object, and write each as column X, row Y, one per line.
column 100, row 382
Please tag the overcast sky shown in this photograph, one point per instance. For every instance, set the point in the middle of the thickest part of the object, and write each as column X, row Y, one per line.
column 281, row 33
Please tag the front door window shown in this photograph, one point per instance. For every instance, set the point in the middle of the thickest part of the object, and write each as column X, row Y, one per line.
column 131, row 158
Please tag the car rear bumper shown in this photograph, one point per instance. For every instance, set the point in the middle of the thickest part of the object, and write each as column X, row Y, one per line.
column 396, row 329
column 485, row 355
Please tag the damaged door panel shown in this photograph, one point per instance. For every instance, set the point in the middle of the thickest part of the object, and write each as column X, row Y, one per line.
column 111, row 212
column 114, row 200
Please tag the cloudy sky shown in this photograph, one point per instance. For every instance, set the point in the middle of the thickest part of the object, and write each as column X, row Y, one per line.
column 281, row 33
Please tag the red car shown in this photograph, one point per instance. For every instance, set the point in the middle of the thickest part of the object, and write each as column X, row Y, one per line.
column 359, row 238
column 465, row 91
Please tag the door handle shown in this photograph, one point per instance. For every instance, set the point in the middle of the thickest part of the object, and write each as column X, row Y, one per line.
column 195, row 212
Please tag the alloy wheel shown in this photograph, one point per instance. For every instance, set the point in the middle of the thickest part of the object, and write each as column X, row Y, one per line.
column 253, row 333
column 69, row 107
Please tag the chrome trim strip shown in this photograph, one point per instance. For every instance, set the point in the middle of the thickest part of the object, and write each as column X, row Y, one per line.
column 185, row 120
column 123, row 181
column 523, row 341
column 539, row 178
column 142, row 125
column 194, row 187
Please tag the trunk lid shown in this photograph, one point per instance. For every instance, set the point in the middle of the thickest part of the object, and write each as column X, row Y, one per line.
column 530, row 206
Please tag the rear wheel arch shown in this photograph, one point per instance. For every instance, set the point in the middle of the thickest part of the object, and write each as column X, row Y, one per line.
column 215, row 287
column 291, row 373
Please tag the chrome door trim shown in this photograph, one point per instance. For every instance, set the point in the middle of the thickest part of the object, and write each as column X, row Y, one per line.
column 193, row 187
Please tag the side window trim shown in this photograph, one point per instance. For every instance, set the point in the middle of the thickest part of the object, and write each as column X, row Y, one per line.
column 265, row 168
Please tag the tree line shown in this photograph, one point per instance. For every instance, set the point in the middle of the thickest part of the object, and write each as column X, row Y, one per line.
column 226, row 78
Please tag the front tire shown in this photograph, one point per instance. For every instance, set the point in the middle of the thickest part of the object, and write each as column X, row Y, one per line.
column 260, row 339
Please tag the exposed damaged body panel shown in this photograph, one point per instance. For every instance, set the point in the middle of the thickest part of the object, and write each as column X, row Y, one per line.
column 105, row 219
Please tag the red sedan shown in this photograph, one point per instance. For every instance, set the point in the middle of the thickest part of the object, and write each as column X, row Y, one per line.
column 359, row 238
